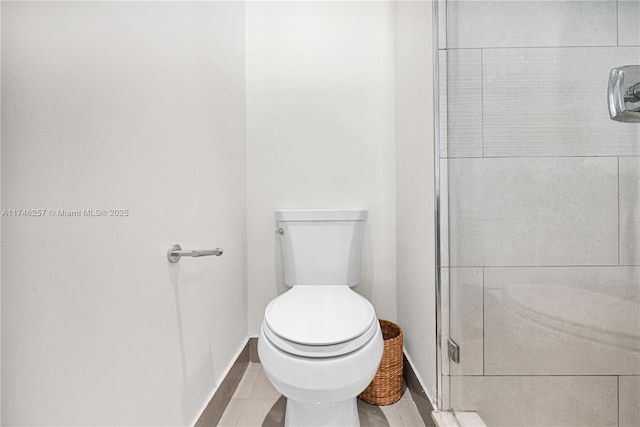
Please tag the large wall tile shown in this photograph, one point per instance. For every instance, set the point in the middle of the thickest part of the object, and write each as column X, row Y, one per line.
column 629, row 401
column 562, row 321
column 538, row 401
column 530, row 23
column 630, row 211
column 466, row 329
column 628, row 18
column 533, row 211
column 461, row 104
column 552, row 102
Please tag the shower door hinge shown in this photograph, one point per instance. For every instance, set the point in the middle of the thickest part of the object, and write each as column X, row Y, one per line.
column 453, row 350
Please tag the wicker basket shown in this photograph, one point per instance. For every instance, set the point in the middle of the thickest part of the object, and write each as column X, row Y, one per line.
column 386, row 387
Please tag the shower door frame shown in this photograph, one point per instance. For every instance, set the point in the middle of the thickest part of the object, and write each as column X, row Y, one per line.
column 441, row 399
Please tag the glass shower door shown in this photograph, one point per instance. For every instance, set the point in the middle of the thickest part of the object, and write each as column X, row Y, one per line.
column 540, row 213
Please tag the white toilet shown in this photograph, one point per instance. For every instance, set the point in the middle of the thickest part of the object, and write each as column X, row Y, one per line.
column 320, row 342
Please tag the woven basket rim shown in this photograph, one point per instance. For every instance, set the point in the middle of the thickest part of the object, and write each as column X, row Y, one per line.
column 392, row 329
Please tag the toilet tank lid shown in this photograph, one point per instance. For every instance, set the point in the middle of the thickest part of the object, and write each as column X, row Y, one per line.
column 321, row 215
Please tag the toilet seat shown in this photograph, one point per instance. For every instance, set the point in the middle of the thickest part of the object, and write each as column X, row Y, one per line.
column 317, row 351
column 320, row 321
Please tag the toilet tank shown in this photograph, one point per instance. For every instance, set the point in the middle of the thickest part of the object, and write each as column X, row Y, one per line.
column 321, row 246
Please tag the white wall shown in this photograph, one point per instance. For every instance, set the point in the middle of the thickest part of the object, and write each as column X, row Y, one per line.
column 415, row 187
column 320, row 133
column 103, row 103
column 136, row 106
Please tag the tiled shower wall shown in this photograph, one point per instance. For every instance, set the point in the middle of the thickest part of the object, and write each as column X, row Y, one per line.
column 543, row 257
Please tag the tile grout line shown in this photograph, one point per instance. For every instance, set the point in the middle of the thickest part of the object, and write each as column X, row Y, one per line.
column 603, row 46
column 482, row 100
column 546, row 375
column 545, row 157
column 618, row 213
column 545, row 266
column 618, row 399
column 447, row 114
column 484, row 346
column 617, row 23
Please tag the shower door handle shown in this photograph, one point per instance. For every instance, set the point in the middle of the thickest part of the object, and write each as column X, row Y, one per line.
column 624, row 93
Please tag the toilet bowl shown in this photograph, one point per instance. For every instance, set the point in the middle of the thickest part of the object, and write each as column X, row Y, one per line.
column 321, row 373
column 320, row 343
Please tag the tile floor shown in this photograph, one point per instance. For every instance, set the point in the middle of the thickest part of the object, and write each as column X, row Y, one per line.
column 256, row 403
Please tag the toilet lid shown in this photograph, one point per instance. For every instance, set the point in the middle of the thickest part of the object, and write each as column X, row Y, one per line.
column 319, row 315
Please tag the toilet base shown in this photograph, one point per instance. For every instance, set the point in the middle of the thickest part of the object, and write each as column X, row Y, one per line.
column 342, row 414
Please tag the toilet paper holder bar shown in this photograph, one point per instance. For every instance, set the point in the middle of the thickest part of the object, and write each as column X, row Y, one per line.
column 175, row 252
